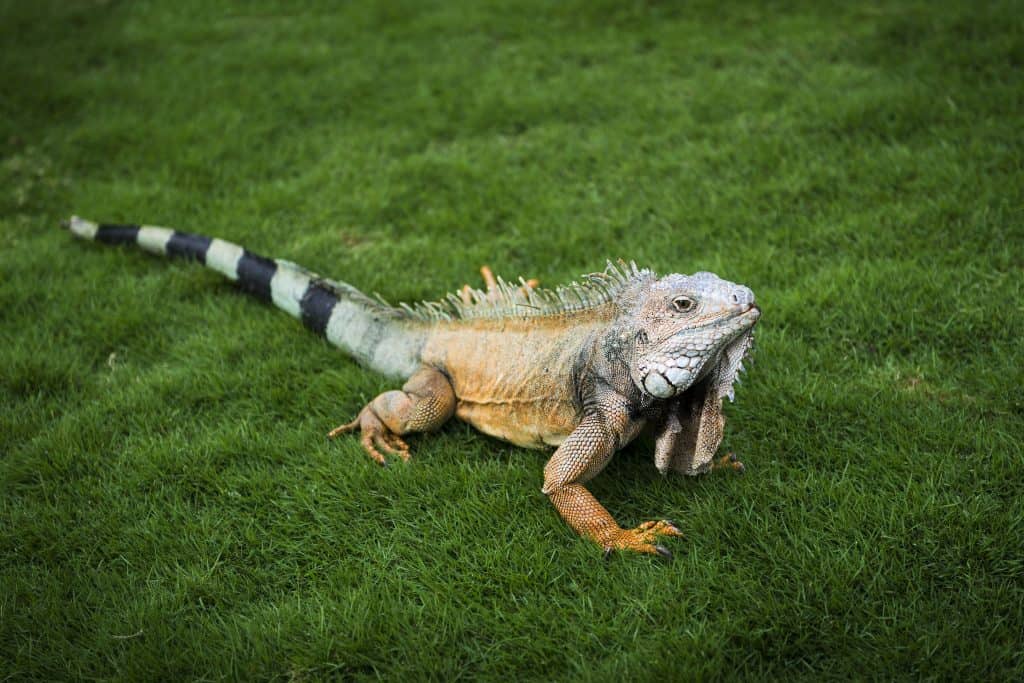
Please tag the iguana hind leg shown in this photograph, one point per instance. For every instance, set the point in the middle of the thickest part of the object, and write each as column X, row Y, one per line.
column 424, row 403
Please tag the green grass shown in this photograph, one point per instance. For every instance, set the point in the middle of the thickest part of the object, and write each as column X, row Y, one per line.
column 169, row 507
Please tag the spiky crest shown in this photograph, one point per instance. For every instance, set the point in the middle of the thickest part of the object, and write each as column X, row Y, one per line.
column 521, row 301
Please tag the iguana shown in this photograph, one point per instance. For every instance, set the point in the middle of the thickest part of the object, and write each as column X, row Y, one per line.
column 583, row 368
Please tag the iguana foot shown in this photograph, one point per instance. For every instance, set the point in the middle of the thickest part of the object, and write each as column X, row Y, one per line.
column 425, row 402
column 729, row 461
column 374, row 435
column 642, row 539
column 491, row 283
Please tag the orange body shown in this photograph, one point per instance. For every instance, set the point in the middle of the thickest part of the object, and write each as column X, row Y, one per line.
column 513, row 378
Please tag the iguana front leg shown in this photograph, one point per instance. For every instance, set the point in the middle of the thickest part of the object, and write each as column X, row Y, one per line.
column 580, row 457
column 691, row 432
column 425, row 403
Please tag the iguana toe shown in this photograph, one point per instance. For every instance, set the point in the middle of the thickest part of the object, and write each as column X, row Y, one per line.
column 385, row 444
column 729, row 461
column 399, row 443
column 375, row 437
column 342, row 429
column 642, row 538
column 393, row 444
column 370, row 441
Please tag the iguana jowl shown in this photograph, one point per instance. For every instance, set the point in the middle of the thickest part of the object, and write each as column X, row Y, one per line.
column 583, row 368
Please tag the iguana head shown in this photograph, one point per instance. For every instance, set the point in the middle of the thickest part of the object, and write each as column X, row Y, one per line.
column 688, row 326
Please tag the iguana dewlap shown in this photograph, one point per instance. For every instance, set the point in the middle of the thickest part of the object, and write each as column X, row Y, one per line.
column 583, row 368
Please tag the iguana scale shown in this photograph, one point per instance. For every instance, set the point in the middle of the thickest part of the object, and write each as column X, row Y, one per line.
column 583, row 368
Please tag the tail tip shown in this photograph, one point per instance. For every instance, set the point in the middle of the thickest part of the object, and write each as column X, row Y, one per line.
column 81, row 227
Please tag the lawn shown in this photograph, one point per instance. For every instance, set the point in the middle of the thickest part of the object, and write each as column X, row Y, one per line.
column 169, row 506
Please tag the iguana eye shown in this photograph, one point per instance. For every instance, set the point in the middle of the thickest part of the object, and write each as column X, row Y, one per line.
column 683, row 304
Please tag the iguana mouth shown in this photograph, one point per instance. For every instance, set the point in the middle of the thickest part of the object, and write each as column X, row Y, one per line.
column 752, row 314
column 679, row 369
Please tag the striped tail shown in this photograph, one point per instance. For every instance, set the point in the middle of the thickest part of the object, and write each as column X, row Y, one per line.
column 378, row 336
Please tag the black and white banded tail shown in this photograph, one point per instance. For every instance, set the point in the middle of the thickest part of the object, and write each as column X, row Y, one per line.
column 373, row 333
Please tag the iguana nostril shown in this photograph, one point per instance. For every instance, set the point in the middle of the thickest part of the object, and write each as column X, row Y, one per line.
column 742, row 296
